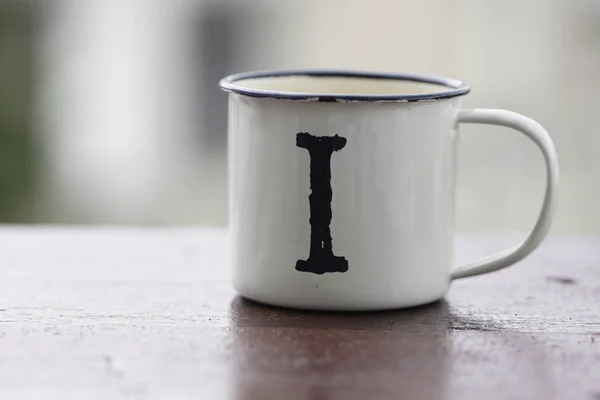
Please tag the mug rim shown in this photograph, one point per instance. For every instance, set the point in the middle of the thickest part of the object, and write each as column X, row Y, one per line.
column 454, row 87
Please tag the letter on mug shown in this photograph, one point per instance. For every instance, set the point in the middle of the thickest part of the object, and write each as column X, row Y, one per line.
column 321, row 258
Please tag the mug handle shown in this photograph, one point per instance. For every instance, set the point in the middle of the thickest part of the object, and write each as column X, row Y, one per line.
column 541, row 138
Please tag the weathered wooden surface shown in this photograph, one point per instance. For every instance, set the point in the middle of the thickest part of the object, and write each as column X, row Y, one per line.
column 149, row 314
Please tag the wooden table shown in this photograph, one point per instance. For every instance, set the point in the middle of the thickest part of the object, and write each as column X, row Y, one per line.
column 149, row 314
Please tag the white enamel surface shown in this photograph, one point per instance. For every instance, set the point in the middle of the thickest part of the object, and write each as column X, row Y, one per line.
column 393, row 201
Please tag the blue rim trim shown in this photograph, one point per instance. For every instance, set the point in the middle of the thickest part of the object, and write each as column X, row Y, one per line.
column 455, row 87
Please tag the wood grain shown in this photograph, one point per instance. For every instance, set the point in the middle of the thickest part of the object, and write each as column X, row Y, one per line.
column 149, row 314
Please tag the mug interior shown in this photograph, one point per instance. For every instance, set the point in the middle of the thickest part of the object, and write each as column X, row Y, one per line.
column 339, row 85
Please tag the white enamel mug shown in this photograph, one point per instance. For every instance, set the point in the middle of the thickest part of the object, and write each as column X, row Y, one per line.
column 342, row 187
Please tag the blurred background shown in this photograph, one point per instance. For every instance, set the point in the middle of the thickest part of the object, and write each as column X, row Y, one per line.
column 110, row 111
